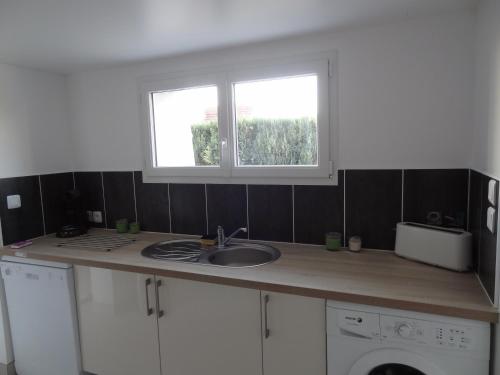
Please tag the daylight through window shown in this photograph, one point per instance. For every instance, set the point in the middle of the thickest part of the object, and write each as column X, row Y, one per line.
column 267, row 122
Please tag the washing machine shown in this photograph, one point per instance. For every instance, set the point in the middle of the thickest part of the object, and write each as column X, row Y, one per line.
column 367, row 340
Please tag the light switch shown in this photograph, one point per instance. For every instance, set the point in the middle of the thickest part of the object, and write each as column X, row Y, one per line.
column 490, row 219
column 13, row 201
column 492, row 192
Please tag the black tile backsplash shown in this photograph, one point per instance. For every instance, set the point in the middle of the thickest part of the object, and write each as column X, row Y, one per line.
column 153, row 211
column 227, row 206
column 25, row 222
column 476, row 213
column 303, row 213
column 54, row 188
column 119, row 197
column 487, row 260
column 270, row 212
column 373, row 206
column 484, row 242
column 318, row 210
column 90, row 186
column 188, row 208
column 372, row 200
column 436, row 190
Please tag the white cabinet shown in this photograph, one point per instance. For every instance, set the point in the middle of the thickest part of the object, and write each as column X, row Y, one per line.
column 131, row 323
column 118, row 334
column 209, row 329
column 144, row 324
column 294, row 334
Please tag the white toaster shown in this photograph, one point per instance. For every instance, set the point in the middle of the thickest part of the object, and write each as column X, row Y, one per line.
column 443, row 247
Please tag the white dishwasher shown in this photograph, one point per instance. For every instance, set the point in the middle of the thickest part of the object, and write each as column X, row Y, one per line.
column 42, row 314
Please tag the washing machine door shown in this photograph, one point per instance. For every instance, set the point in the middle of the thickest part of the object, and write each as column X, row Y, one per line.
column 394, row 362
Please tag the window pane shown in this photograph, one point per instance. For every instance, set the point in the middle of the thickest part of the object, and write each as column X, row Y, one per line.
column 276, row 121
column 186, row 130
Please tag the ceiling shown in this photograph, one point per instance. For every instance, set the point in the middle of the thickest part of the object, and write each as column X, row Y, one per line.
column 70, row 35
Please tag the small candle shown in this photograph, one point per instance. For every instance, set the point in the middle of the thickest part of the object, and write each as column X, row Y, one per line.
column 122, row 226
column 134, row 228
column 355, row 243
column 333, row 241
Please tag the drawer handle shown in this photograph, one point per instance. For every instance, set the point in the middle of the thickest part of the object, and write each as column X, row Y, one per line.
column 159, row 311
column 267, row 331
column 149, row 309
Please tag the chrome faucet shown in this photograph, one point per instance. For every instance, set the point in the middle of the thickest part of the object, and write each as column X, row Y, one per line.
column 221, row 237
column 222, row 240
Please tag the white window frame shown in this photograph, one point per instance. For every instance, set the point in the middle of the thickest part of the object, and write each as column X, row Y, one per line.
column 147, row 88
column 323, row 65
column 317, row 67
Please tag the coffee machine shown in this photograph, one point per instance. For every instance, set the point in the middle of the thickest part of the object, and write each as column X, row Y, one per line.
column 75, row 219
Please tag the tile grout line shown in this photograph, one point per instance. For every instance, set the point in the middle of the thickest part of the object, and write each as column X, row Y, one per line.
column 41, row 203
column 293, row 213
column 104, row 201
column 135, row 196
column 169, row 208
column 248, row 214
column 206, row 209
column 468, row 201
column 402, row 194
column 345, row 239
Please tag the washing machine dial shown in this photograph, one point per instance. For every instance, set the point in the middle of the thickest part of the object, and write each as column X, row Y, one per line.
column 404, row 330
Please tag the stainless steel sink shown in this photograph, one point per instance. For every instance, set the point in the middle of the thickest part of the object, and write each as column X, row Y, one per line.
column 243, row 255
column 238, row 254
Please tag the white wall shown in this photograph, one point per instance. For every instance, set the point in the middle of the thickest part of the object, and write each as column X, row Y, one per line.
column 34, row 133
column 34, row 139
column 486, row 156
column 405, row 95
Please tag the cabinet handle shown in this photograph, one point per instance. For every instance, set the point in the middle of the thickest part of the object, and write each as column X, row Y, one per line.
column 159, row 311
column 267, row 332
column 149, row 310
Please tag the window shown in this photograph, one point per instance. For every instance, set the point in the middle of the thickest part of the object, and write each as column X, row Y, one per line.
column 267, row 121
column 182, row 120
column 276, row 121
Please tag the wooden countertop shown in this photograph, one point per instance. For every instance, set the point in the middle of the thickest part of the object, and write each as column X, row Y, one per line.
column 370, row 277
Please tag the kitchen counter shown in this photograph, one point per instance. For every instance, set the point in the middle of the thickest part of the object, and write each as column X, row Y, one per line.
column 370, row 277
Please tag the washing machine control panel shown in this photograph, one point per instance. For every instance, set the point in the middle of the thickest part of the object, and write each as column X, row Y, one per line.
column 358, row 324
column 435, row 334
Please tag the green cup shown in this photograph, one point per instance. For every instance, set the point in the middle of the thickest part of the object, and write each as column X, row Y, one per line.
column 332, row 241
column 122, row 226
column 134, row 227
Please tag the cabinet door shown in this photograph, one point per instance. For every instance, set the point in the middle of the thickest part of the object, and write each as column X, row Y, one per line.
column 209, row 329
column 294, row 334
column 118, row 334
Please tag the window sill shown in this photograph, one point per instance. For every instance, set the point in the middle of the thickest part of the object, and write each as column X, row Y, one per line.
column 243, row 180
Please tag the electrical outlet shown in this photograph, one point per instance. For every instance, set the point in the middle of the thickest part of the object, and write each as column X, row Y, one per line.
column 491, row 219
column 90, row 216
column 97, row 216
column 13, row 201
column 492, row 192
